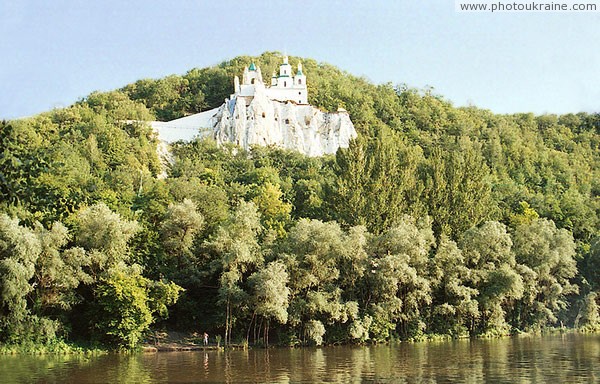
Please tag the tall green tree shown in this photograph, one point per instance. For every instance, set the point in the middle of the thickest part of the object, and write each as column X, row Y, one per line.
column 454, row 303
column 313, row 253
column 549, row 253
column 178, row 231
column 270, row 295
column 237, row 254
column 488, row 254
column 127, row 304
column 457, row 190
column 19, row 251
column 377, row 181
column 398, row 281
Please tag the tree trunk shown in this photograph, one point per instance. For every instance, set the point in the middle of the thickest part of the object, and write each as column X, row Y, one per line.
column 250, row 327
column 227, row 323
column 267, row 334
column 260, row 326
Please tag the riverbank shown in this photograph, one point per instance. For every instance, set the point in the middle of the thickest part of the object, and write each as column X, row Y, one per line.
column 174, row 341
column 58, row 347
column 568, row 358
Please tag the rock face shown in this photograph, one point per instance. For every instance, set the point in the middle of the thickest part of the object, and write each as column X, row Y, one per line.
column 303, row 128
column 278, row 115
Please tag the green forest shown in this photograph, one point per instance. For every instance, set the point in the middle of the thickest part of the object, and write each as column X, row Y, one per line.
column 436, row 221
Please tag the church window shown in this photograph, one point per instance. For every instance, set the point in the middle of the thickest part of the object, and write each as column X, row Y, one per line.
column 287, row 121
column 299, row 81
column 252, row 82
column 285, row 84
column 263, row 114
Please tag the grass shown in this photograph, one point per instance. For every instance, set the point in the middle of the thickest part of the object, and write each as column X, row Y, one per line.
column 58, row 347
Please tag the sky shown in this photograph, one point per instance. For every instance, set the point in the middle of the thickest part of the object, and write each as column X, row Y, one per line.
column 57, row 52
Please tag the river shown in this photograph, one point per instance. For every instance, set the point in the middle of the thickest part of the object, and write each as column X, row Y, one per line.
column 570, row 358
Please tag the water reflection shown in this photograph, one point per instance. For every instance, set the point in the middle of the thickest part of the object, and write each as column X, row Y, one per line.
column 566, row 358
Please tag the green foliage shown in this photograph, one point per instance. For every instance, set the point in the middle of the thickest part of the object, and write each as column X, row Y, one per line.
column 588, row 318
column 377, row 181
column 524, row 215
column 44, row 279
column 454, row 304
column 162, row 295
column 19, row 250
column 168, row 98
column 592, row 264
column 436, row 219
column 458, row 189
column 237, row 252
column 271, row 293
column 548, row 254
column 488, row 254
column 398, row 281
column 101, row 230
column 359, row 330
column 178, row 230
column 314, row 331
column 123, row 313
column 54, row 163
column 275, row 213
column 125, row 305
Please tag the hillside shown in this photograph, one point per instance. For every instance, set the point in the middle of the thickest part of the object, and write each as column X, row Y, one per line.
column 436, row 220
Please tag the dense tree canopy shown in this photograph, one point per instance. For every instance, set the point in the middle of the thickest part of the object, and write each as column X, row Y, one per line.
column 436, row 220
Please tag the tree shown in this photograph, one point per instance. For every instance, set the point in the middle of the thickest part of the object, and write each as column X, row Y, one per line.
column 549, row 252
column 454, row 302
column 457, row 190
column 58, row 271
column 270, row 294
column 126, row 303
column 315, row 330
column 398, row 281
column 178, row 230
column 237, row 252
column 169, row 98
column 19, row 251
column 488, row 254
column 275, row 213
column 121, row 303
column 376, row 181
column 313, row 253
column 104, row 234
column 40, row 278
column 591, row 264
column 589, row 315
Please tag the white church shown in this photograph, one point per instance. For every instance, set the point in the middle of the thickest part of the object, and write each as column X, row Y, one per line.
column 277, row 115
column 284, row 87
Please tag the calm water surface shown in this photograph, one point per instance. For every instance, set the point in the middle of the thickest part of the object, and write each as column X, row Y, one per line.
column 552, row 359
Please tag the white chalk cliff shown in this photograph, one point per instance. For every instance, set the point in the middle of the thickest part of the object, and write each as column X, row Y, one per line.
column 278, row 115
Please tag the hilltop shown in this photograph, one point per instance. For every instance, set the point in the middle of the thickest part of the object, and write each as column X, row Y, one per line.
column 276, row 115
column 435, row 220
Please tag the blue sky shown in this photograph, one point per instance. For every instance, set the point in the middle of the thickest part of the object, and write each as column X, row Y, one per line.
column 56, row 52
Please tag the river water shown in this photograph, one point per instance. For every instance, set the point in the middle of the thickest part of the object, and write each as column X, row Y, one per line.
column 570, row 358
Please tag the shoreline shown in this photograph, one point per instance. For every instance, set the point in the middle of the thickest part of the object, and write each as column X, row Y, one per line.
column 183, row 342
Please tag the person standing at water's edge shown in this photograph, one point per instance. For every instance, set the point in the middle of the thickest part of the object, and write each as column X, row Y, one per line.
column 205, row 338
